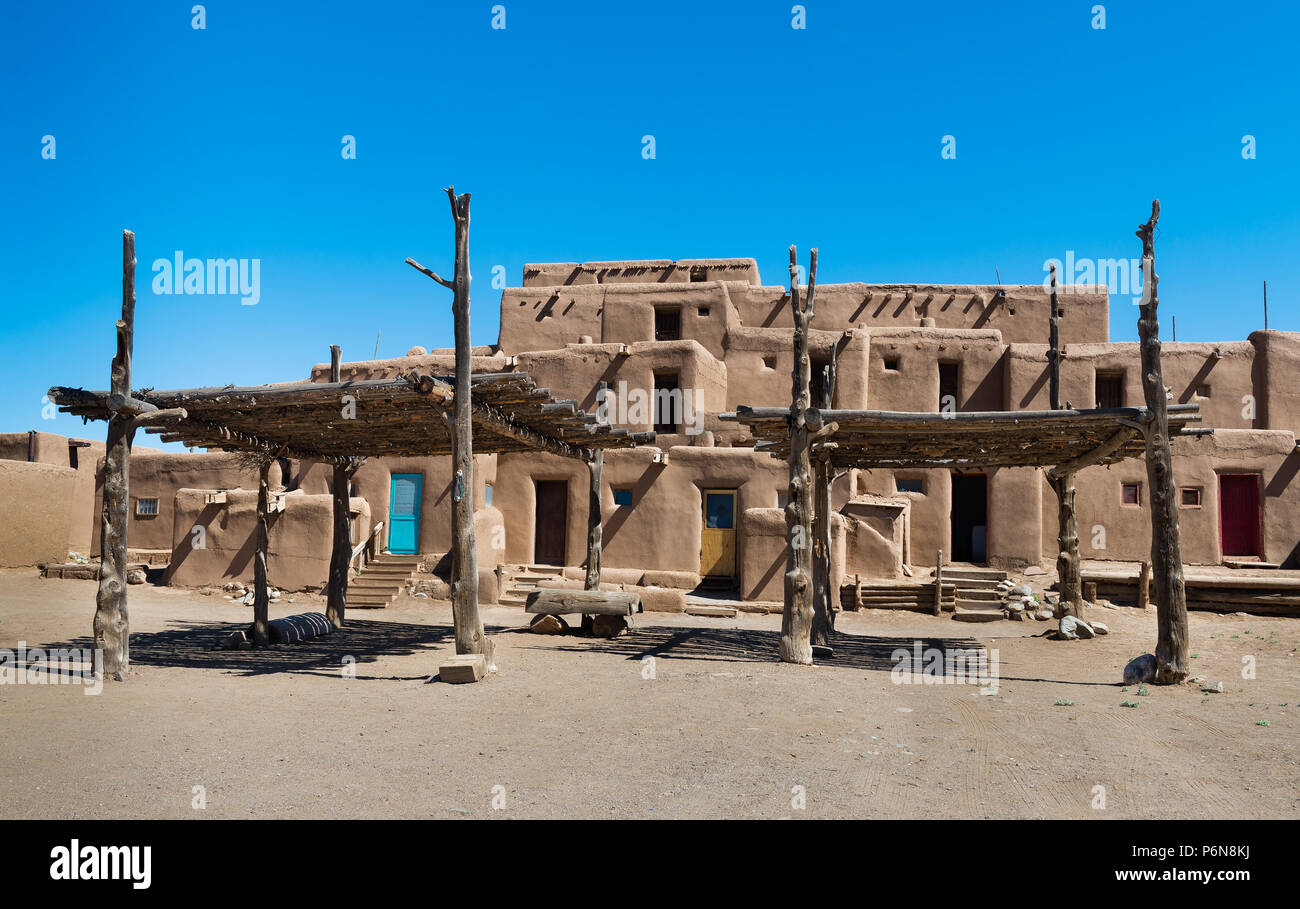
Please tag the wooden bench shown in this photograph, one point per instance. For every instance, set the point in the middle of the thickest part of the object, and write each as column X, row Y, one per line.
column 604, row 613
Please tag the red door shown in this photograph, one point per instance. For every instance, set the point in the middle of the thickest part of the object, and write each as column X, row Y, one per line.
column 1239, row 514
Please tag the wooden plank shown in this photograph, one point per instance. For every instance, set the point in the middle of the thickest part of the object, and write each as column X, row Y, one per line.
column 563, row 601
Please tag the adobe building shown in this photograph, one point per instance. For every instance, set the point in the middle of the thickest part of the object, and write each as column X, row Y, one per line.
column 667, row 346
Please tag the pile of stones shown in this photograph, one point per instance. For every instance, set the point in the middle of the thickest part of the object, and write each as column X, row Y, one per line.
column 238, row 593
column 1020, row 604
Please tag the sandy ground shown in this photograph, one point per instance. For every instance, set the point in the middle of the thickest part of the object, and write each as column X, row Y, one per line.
column 572, row 727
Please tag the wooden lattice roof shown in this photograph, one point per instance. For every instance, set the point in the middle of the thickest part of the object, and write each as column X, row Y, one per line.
column 338, row 421
column 1027, row 438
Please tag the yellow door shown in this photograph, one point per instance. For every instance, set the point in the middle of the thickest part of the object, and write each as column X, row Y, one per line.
column 718, row 536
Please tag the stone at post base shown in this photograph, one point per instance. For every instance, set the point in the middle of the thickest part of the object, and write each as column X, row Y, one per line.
column 1140, row 669
column 549, row 624
column 466, row 667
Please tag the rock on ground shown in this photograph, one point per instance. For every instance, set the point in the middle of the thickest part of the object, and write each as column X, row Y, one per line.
column 1140, row 669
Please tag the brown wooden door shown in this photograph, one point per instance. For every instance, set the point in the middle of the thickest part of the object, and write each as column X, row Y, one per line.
column 1239, row 514
column 552, row 523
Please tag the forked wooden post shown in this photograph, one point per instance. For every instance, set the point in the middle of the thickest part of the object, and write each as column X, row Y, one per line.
column 824, row 600
column 468, row 624
column 797, row 614
column 112, row 626
column 595, row 530
column 1166, row 552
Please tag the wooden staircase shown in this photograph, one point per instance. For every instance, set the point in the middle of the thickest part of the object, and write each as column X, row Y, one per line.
column 381, row 581
column 978, row 599
column 522, row 580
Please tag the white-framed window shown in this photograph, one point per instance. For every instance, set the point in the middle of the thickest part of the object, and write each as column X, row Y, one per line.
column 146, row 507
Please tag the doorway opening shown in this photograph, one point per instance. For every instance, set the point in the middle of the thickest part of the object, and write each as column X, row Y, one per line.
column 1239, row 516
column 970, row 517
column 551, row 525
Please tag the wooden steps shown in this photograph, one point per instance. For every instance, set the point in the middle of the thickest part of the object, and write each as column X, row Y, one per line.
column 381, row 581
column 890, row 595
column 522, row 580
column 1277, row 595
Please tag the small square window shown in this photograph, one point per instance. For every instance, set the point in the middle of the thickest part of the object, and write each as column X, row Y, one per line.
column 703, row 311
column 914, row 484
column 699, row 274
column 769, row 362
column 146, row 507
column 622, row 497
column 1130, row 493
column 1203, row 390
column 891, row 364
column 1190, row 496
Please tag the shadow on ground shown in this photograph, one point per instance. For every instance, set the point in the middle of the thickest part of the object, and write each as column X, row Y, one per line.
column 192, row 645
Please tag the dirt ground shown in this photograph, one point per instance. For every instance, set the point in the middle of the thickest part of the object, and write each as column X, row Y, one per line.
column 573, row 727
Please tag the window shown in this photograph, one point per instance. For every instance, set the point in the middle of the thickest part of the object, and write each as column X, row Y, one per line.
column 699, row 274
column 703, row 311
column 1109, row 389
column 146, row 507
column 891, row 364
column 1203, row 391
column 910, row 484
column 668, row 325
column 1190, row 496
column 667, row 404
column 948, row 387
column 1130, row 493
column 622, row 497
column 769, row 362
column 782, row 500
column 487, row 494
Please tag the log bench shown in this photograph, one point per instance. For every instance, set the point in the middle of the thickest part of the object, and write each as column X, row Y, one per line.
column 604, row 613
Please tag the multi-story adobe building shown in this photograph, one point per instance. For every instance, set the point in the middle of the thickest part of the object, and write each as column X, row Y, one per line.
column 669, row 345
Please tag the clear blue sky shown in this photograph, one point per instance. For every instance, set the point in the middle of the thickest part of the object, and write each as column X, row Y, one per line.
column 226, row 142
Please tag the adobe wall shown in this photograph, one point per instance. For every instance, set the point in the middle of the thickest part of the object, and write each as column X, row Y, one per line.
column 760, row 363
column 914, row 385
column 159, row 474
column 1124, row 531
column 1022, row 316
column 1277, row 364
column 38, row 502
column 50, row 448
column 300, row 539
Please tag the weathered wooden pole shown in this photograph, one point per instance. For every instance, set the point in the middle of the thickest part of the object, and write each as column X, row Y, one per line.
column 341, row 552
column 1069, row 582
column 938, row 582
column 797, row 614
column 261, row 599
column 824, row 602
column 112, row 626
column 595, row 532
column 1166, row 553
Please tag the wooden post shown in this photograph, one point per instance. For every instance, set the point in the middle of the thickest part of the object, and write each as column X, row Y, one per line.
column 938, row 582
column 1166, row 553
column 470, row 637
column 468, row 625
column 1144, row 585
column 797, row 614
column 112, row 629
column 595, row 532
column 823, row 606
column 1067, row 525
column 261, row 600
column 341, row 553
column 1068, row 572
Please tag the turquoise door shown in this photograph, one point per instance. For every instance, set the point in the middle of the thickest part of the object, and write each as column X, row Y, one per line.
column 404, row 513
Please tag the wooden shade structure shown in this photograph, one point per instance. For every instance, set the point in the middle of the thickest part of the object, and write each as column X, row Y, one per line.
column 1066, row 439
column 397, row 417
